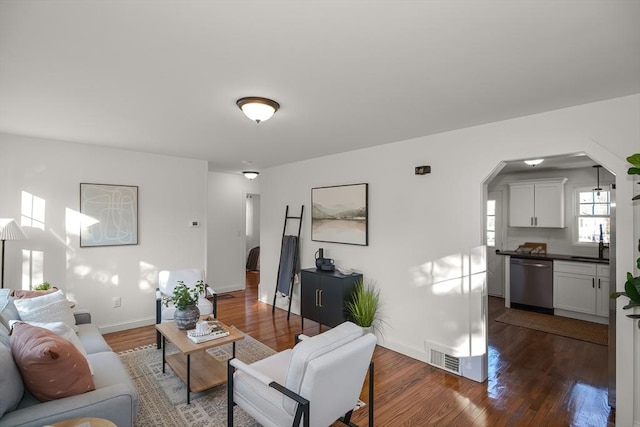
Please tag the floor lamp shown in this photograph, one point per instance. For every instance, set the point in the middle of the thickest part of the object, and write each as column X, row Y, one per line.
column 9, row 230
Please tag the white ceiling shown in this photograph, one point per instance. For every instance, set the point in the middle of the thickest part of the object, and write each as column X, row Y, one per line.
column 163, row 76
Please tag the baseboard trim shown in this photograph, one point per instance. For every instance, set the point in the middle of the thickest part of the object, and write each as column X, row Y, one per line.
column 117, row 327
column 231, row 288
column 415, row 353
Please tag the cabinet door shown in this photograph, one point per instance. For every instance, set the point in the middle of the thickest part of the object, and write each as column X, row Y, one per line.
column 332, row 302
column 549, row 205
column 602, row 294
column 574, row 292
column 309, row 294
column 521, row 197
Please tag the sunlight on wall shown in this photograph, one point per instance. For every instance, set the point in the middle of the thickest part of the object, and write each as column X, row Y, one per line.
column 102, row 276
column 32, row 268
column 81, row 270
column 456, row 284
column 75, row 220
column 148, row 277
column 32, row 210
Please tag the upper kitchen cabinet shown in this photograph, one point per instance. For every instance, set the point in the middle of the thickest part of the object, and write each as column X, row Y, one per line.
column 537, row 203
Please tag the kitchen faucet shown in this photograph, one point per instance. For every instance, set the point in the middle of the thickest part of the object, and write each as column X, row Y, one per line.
column 601, row 245
column 601, row 248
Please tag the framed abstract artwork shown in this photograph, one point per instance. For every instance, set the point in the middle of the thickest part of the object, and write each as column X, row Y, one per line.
column 339, row 214
column 109, row 215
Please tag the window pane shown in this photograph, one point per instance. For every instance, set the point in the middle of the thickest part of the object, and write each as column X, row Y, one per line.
column 589, row 229
column 602, row 198
column 586, row 209
column 586, row 197
column 593, row 212
column 491, row 207
column 491, row 238
column 491, row 223
column 601, row 209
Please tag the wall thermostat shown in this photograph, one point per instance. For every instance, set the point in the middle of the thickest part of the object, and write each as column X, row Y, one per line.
column 423, row 170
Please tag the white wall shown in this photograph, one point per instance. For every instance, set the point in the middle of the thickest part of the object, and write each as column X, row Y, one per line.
column 419, row 225
column 253, row 221
column 558, row 240
column 226, row 230
column 171, row 194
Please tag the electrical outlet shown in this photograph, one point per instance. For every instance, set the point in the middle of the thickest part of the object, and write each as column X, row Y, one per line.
column 117, row 302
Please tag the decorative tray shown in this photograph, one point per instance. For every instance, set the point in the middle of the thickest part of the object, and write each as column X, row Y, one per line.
column 194, row 333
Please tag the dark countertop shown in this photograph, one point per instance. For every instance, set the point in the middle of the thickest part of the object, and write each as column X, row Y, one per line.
column 557, row 257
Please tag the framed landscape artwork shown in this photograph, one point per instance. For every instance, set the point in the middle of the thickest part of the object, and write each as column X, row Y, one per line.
column 109, row 215
column 339, row 214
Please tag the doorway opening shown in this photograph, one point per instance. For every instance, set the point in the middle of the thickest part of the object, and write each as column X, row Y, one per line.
column 252, row 239
column 531, row 355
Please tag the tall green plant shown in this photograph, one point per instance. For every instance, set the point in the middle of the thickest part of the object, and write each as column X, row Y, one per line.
column 632, row 285
column 364, row 306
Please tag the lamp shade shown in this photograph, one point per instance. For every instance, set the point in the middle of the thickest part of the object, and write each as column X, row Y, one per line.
column 250, row 174
column 258, row 109
column 10, row 230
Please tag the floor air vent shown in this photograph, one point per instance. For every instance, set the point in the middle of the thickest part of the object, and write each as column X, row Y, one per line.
column 445, row 361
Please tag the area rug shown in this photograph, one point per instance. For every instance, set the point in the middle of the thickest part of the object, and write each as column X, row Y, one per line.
column 163, row 397
column 558, row 325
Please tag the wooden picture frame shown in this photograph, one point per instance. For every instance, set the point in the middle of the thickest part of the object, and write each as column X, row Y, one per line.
column 340, row 214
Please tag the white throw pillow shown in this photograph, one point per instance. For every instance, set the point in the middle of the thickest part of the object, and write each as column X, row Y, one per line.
column 63, row 330
column 46, row 309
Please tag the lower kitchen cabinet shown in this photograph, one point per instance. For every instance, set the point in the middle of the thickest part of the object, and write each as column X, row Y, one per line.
column 581, row 290
column 323, row 295
column 602, row 289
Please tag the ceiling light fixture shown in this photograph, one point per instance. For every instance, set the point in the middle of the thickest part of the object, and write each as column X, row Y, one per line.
column 258, row 109
column 597, row 189
column 250, row 174
column 534, row 162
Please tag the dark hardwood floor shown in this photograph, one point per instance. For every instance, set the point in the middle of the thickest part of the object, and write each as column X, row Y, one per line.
column 535, row 378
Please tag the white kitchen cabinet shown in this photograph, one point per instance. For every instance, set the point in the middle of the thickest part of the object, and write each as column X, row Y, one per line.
column 581, row 290
column 602, row 291
column 537, row 203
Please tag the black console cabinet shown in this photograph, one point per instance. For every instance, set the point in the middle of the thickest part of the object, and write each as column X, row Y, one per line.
column 323, row 295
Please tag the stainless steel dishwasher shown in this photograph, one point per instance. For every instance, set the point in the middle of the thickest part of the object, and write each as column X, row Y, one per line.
column 532, row 284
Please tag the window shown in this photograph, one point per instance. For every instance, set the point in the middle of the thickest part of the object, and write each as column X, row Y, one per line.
column 491, row 223
column 592, row 219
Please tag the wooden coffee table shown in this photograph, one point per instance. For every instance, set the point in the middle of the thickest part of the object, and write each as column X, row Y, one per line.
column 207, row 371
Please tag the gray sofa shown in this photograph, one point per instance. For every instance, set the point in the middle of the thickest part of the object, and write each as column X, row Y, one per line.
column 115, row 397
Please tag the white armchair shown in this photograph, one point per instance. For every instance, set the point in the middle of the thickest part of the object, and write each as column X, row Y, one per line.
column 167, row 281
column 316, row 382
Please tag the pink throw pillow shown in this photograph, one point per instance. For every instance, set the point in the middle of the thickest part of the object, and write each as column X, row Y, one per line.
column 51, row 367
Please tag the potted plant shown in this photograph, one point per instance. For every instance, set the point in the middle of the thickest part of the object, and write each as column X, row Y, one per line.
column 364, row 307
column 632, row 285
column 185, row 300
column 44, row 286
